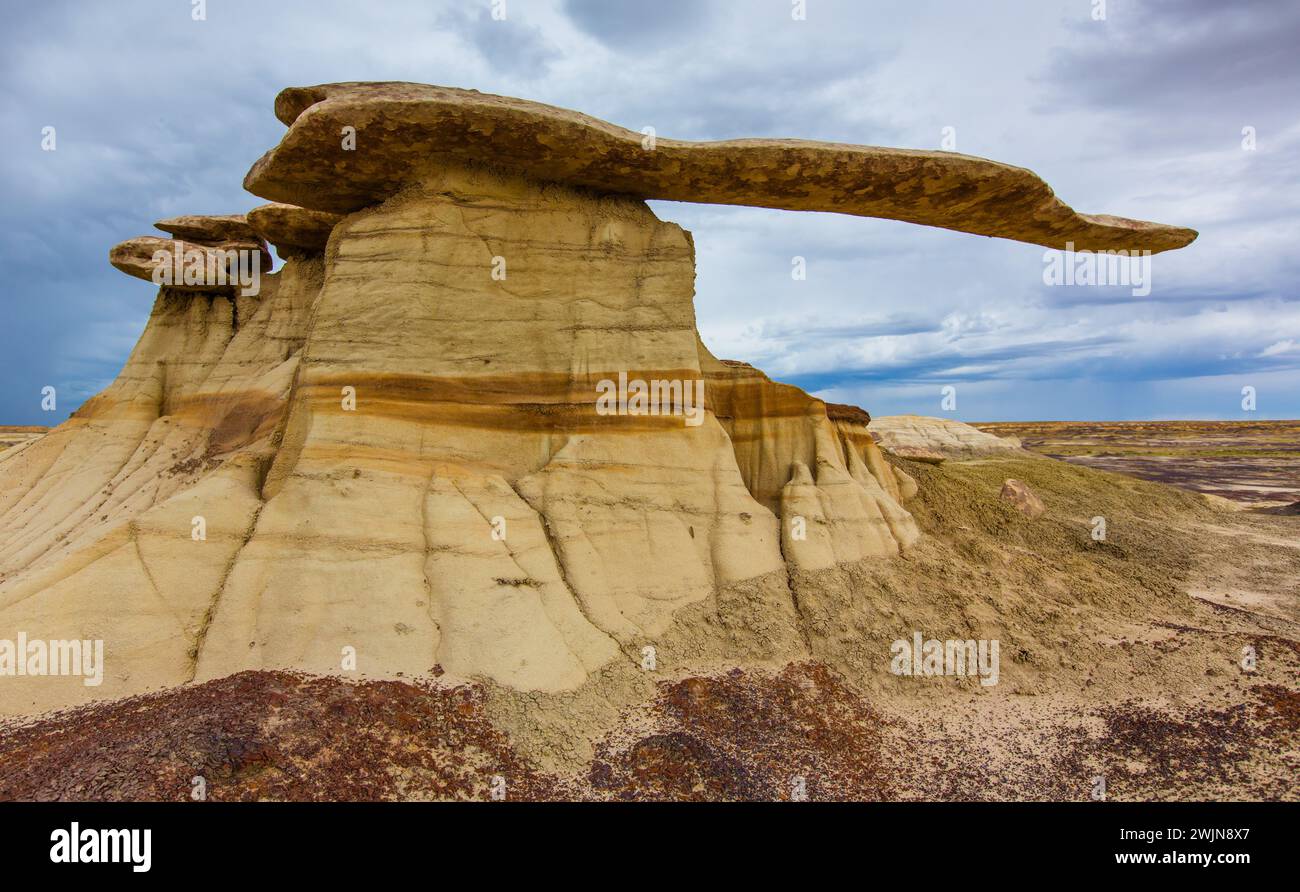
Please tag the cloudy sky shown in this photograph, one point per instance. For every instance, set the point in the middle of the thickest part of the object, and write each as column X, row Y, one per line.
column 1140, row 114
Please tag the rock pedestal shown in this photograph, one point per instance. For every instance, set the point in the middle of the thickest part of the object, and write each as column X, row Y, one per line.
column 462, row 427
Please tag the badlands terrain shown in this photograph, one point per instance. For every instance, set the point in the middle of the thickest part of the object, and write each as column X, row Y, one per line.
column 368, row 532
column 1256, row 463
column 12, row 435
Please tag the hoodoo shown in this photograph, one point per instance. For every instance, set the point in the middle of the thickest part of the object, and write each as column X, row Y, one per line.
column 393, row 453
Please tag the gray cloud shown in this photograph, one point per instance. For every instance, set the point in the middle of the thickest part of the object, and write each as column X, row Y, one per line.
column 639, row 26
column 1141, row 116
column 1184, row 55
column 507, row 45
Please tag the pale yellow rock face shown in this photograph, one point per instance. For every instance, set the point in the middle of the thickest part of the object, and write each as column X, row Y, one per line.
column 852, row 510
column 97, row 517
column 853, row 426
column 919, row 436
column 475, row 401
column 398, row 456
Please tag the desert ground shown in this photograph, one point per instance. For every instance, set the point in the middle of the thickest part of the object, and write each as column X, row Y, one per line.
column 12, row 435
column 1256, row 463
column 1122, row 660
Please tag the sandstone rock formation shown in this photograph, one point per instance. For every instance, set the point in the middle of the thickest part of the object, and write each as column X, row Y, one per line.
column 208, row 229
column 293, row 230
column 396, row 456
column 140, row 257
column 226, row 232
column 1023, row 498
column 926, row 439
column 923, row 454
column 402, row 129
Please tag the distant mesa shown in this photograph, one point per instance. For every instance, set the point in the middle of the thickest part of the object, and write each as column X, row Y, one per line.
column 923, row 438
column 16, row 435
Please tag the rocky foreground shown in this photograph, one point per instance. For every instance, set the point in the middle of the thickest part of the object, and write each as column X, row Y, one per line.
column 1145, row 688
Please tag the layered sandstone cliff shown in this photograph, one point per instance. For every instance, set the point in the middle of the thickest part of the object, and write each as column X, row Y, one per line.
column 394, row 457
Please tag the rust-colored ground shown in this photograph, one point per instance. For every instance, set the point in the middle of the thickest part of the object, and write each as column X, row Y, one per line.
column 738, row 736
column 282, row 736
column 747, row 736
column 267, row 735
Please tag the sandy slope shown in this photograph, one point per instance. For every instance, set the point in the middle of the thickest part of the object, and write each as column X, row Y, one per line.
column 1120, row 660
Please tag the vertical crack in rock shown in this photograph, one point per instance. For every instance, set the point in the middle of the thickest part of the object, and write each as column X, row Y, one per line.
column 429, row 603
column 196, row 649
column 133, row 530
column 558, row 558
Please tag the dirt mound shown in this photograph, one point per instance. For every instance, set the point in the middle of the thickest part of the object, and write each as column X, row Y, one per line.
column 748, row 736
column 922, row 438
column 740, row 735
column 1062, row 749
column 269, row 735
column 284, row 736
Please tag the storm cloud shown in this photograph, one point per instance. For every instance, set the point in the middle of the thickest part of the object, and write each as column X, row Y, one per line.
column 1180, row 112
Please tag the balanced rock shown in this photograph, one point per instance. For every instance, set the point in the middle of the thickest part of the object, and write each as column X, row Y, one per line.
column 138, row 256
column 480, row 431
column 227, row 232
column 141, row 257
column 1023, row 498
column 293, row 229
column 208, row 228
column 404, row 130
